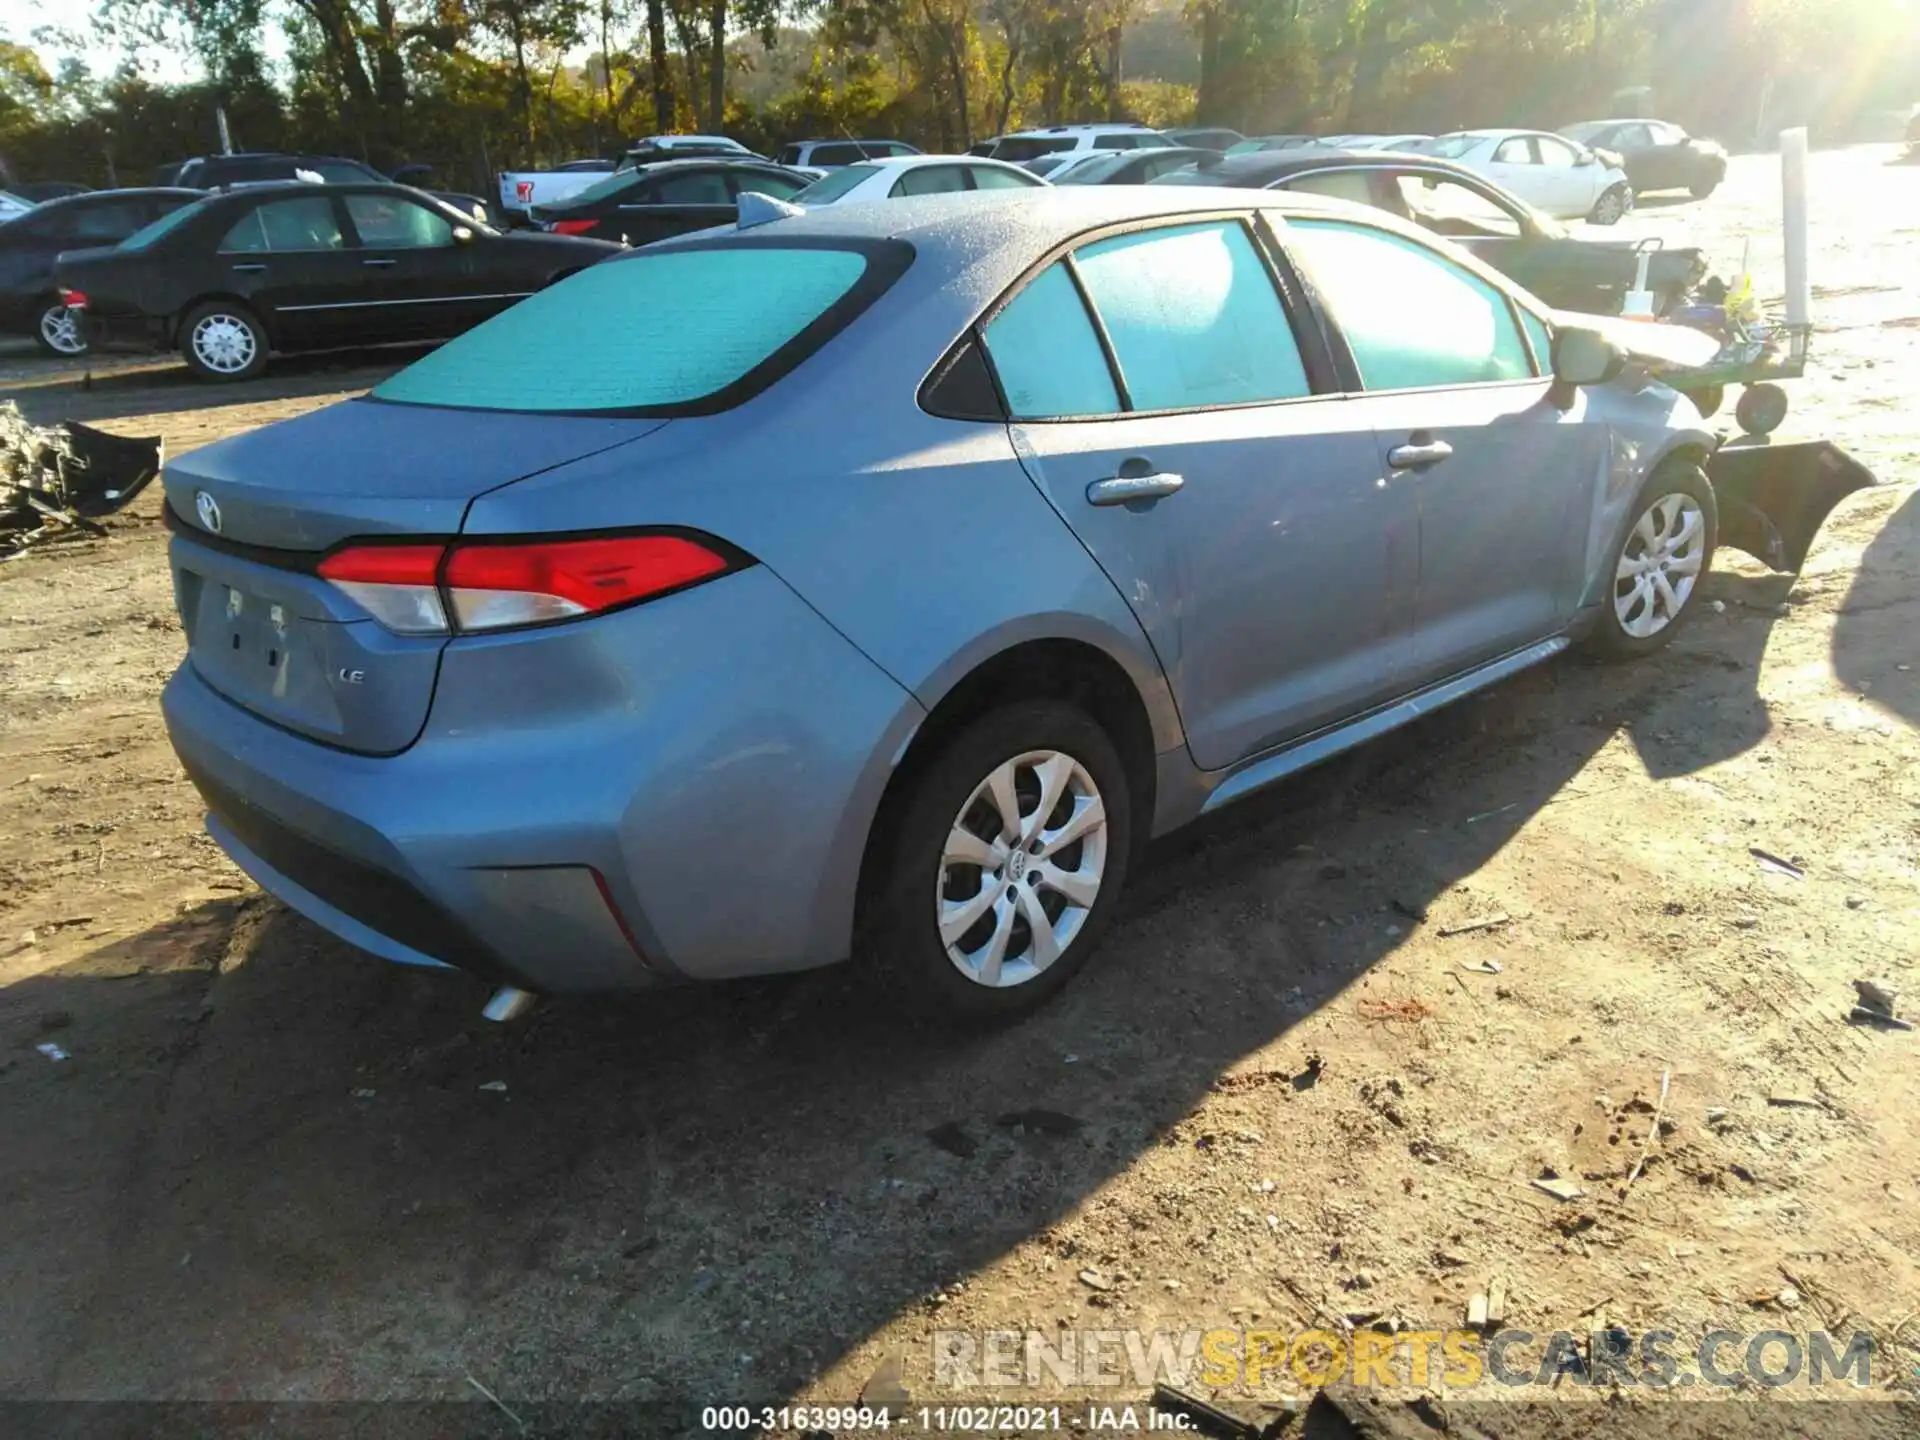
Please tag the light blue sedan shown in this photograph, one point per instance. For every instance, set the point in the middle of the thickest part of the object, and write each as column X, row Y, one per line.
column 876, row 581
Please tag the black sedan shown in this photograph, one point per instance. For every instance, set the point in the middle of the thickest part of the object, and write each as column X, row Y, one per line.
column 1130, row 167
column 296, row 266
column 1565, row 270
column 1656, row 155
column 30, row 302
column 651, row 202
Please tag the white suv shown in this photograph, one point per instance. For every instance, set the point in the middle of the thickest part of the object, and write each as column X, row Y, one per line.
column 1024, row 145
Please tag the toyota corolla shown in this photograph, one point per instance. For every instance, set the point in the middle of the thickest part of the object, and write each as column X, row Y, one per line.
column 875, row 582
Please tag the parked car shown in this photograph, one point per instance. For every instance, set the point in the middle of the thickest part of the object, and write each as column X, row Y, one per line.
column 1030, row 144
column 524, row 190
column 598, row 650
column 637, row 207
column 1561, row 177
column 1134, row 167
column 826, row 154
column 41, row 191
column 289, row 267
column 1407, row 142
column 1205, row 137
column 30, row 301
column 259, row 167
column 1271, row 142
column 1656, row 155
column 914, row 175
column 1568, row 271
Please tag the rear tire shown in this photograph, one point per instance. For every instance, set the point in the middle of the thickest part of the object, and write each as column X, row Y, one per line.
column 58, row 331
column 1761, row 409
column 222, row 341
column 957, row 931
column 1659, row 563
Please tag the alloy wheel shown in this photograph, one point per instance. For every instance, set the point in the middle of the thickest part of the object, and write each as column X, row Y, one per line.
column 224, row 343
column 60, row 329
column 1021, row 868
column 1610, row 207
column 1659, row 565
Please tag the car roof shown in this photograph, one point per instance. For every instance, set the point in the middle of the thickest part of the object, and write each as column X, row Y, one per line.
column 1274, row 164
column 1126, row 126
column 130, row 192
column 911, row 162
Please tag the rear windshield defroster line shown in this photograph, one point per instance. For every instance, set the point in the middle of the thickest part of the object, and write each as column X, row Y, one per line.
column 679, row 330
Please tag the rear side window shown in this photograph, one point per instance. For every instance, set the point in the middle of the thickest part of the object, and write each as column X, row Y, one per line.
column 1411, row 317
column 1354, row 185
column 147, row 234
column 1514, row 152
column 992, row 177
column 1047, row 355
column 660, row 331
column 930, row 180
column 703, row 187
column 832, row 187
column 304, row 224
column 386, row 222
column 1194, row 317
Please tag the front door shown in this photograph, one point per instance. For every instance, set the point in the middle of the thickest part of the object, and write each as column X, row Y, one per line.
column 290, row 261
column 418, row 282
column 1454, row 387
column 1239, row 508
column 674, row 203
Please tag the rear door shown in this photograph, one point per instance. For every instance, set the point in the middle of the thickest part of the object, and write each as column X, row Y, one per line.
column 1513, row 167
column 675, row 203
column 1163, row 402
column 1452, row 382
column 289, row 259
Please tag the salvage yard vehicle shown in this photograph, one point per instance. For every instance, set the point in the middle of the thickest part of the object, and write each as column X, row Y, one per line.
column 30, row 302
column 1023, row 145
column 596, row 649
column 1572, row 272
column 915, row 175
column 295, row 266
column 826, row 154
column 521, row 191
column 1135, row 167
column 637, row 207
column 1656, row 155
column 1565, row 179
column 260, row 167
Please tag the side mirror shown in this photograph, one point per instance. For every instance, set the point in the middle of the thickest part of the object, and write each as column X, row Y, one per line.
column 462, row 235
column 1582, row 357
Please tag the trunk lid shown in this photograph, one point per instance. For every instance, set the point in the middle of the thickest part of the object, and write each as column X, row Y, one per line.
column 253, row 515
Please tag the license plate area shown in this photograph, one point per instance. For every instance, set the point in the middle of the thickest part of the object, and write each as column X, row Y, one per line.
column 256, row 634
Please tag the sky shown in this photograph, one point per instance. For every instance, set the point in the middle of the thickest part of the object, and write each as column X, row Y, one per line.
column 103, row 58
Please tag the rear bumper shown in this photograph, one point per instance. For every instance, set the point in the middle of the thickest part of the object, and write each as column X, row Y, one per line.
column 678, row 791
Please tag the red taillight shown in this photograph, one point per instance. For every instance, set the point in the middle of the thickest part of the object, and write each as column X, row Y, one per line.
column 496, row 585
column 73, row 299
column 526, row 583
column 573, row 227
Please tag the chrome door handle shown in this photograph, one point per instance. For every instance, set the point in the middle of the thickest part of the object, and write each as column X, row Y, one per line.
column 379, row 262
column 251, row 269
column 1418, row 457
column 1125, row 489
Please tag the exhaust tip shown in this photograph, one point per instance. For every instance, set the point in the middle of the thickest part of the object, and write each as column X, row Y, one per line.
column 509, row 1004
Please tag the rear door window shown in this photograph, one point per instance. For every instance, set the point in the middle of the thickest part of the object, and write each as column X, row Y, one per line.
column 308, row 223
column 1411, row 317
column 702, row 187
column 658, row 331
column 1514, row 152
column 759, row 182
column 1047, row 354
column 1193, row 317
column 1352, row 185
column 991, row 177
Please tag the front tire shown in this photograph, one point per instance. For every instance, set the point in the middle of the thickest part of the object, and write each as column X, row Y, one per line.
column 1659, row 563
column 1612, row 205
column 58, row 331
column 222, row 341
column 1007, row 865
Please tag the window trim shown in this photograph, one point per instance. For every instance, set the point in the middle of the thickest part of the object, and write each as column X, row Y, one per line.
column 1307, row 328
column 356, row 241
column 348, row 235
column 1350, row 367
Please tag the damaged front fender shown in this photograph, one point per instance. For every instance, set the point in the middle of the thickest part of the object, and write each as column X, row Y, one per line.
column 1775, row 497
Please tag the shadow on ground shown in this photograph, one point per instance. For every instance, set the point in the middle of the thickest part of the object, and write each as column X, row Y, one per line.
column 1878, row 611
column 279, row 1168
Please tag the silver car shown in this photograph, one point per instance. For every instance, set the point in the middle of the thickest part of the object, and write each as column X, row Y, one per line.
column 875, row 582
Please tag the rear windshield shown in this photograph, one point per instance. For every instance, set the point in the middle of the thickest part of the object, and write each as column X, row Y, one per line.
column 832, row 187
column 1028, row 147
column 661, row 332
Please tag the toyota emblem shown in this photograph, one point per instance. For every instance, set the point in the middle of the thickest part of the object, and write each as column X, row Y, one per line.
column 208, row 509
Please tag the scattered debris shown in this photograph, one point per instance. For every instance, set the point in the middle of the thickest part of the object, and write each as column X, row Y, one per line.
column 498, row 1087
column 886, row 1388
column 51, row 1050
column 1882, row 996
column 1481, row 967
column 1221, row 1420
column 1795, row 1102
column 1776, row 864
column 1094, row 1280
column 55, row 481
column 1043, row 1122
column 1486, row 922
column 1385, row 1010
column 1558, row 1188
column 498, row 1403
column 1856, row 902
column 953, row 1139
column 1719, row 607
column 1788, row 1298
column 1489, row 814
column 1861, row 1015
column 1477, row 1312
column 1653, row 1134
column 1415, row 913
column 363, row 1094
column 1309, row 1075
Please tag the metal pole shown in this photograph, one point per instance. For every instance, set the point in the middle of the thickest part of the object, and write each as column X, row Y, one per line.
column 1793, row 217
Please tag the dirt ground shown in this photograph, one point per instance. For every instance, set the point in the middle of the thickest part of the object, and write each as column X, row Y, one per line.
column 272, row 1168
